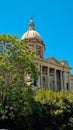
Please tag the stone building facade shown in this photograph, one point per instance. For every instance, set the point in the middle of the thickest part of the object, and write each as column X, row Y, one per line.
column 54, row 74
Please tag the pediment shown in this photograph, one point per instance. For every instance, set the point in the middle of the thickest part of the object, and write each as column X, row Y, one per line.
column 52, row 60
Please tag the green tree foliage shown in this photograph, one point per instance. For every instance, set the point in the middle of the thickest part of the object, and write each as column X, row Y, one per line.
column 16, row 66
column 15, row 61
column 57, row 109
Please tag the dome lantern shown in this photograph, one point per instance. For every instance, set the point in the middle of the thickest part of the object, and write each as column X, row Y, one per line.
column 31, row 24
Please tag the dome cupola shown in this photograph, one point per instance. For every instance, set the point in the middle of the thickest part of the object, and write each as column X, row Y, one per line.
column 33, row 39
column 31, row 33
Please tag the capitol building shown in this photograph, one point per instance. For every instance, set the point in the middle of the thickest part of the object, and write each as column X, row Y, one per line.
column 54, row 74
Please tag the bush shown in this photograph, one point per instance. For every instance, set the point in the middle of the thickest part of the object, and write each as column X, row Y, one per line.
column 46, row 110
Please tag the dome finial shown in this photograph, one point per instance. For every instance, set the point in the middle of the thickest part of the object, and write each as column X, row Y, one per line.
column 31, row 24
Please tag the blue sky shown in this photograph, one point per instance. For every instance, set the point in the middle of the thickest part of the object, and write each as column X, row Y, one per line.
column 53, row 20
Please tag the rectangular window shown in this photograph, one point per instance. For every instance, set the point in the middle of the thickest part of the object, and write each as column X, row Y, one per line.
column 35, row 83
column 67, row 86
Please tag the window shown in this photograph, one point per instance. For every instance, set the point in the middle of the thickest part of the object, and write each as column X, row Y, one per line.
column 39, row 51
column 67, row 86
column 35, row 83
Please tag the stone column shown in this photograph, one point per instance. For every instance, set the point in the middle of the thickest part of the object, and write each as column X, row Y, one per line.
column 55, row 80
column 61, row 79
column 48, row 79
column 41, row 75
column 34, row 46
column 64, row 80
column 69, row 82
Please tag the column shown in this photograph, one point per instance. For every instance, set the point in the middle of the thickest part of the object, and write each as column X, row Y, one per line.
column 48, row 79
column 34, row 46
column 64, row 80
column 55, row 80
column 69, row 81
column 61, row 79
column 41, row 75
column 38, row 84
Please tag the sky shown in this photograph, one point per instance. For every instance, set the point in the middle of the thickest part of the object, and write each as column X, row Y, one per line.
column 53, row 20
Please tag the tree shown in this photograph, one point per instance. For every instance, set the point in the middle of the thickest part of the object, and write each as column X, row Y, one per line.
column 16, row 65
column 15, row 61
